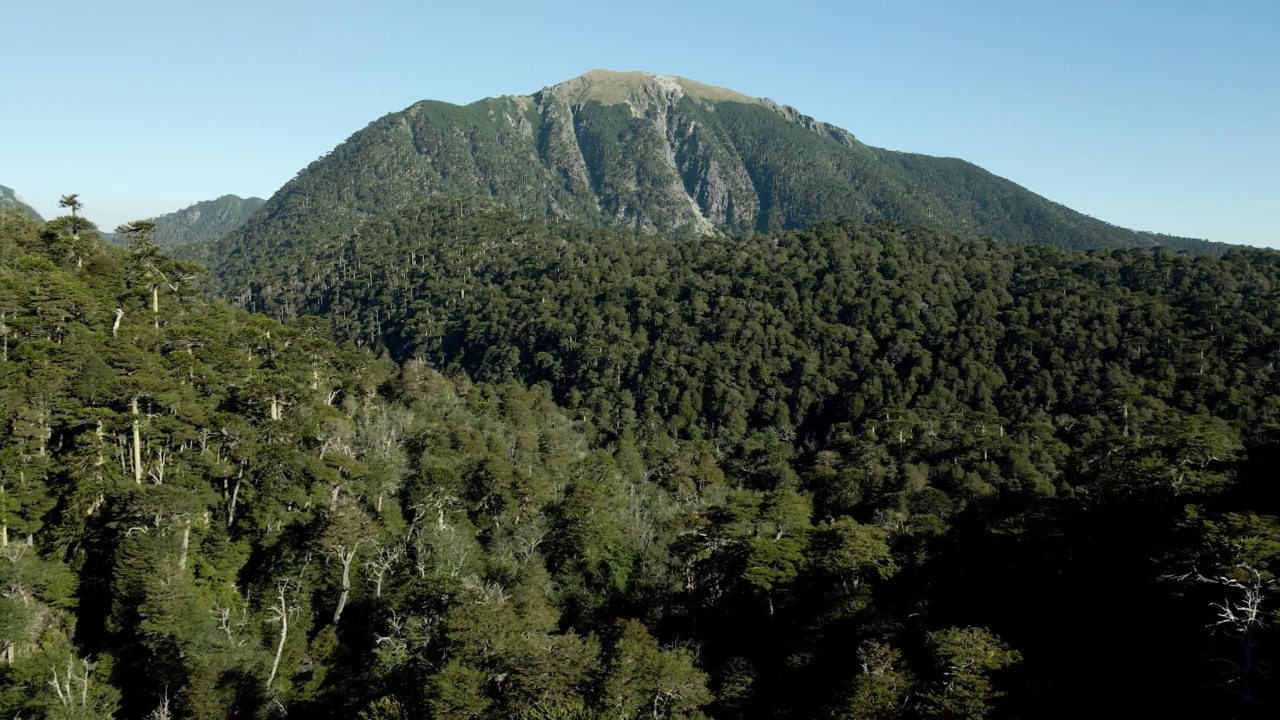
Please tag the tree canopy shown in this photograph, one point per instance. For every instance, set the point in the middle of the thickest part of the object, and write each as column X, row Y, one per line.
column 464, row 464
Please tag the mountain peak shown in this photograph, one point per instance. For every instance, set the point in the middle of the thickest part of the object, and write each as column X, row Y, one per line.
column 658, row 154
column 620, row 87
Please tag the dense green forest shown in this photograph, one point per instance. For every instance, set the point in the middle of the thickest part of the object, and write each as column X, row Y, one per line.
column 496, row 467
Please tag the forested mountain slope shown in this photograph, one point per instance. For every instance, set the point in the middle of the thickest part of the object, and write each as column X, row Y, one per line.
column 1040, row 433
column 204, row 221
column 205, row 514
column 657, row 154
column 842, row 472
column 198, row 224
column 999, row 208
column 800, row 330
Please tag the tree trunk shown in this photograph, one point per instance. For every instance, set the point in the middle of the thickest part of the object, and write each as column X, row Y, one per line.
column 100, row 434
column 231, row 509
column 283, row 609
column 46, row 431
column 137, row 445
column 186, row 543
column 346, row 557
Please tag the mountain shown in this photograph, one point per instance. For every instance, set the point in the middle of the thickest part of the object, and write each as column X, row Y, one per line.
column 203, row 222
column 10, row 199
column 660, row 154
column 206, row 220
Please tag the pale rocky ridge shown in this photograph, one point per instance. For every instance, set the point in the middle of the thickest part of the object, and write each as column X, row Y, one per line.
column 697, row 191
column 11, row 199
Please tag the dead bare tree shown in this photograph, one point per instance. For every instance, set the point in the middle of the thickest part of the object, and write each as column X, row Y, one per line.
column 346, row 554
column 162, row 711
column 280, row 612
column 72, row 687
column 1243, row 618
column 388, row 556
column 137, row 441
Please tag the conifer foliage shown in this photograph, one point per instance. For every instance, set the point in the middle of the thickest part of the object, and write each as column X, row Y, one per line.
column 489, row 467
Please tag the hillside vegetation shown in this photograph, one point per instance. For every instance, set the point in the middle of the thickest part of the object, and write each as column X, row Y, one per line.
column 505, row 467
column 188, row 232
column 204, row 221
column 1035, row 431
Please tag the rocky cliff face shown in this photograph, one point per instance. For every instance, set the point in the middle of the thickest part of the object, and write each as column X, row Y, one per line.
column 10, row 199
column 671, row 171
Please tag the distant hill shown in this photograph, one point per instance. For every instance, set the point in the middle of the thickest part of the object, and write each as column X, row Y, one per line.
column 10, row 199
column 204, row 221
column 659, row 154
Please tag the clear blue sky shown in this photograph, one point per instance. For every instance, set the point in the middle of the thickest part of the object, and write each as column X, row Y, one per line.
column 1159, row 116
